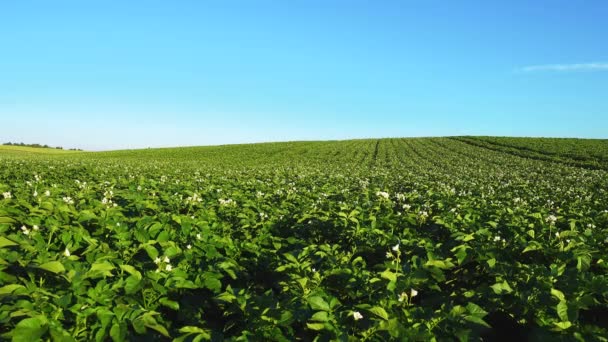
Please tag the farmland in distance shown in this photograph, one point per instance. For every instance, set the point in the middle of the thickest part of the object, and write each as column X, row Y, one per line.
column 455, row 238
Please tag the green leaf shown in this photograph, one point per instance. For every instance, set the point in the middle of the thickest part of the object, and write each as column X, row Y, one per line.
column 477, row 320
column 583, row 263
column 460, row 252
column 132, row 283
column 194, row 330
column 213, row 284
column 10, row 289
column 130, row 269
column 562, row 310
column 491, row 262
column 380, row 312
column 442, row 264
column 118, row 332
column 476, row 314
column 391, row 276
column 138, row 326
column 532, row 246
column 101, row 269
column 503, row 287
column 4, row 219
column 150, row 322
column 169, row 303
column 4, row 242
column 161, row 329
column 318, row 303
column 173, row 251
column 558, row 294
column 53, row 266
column 291, row 258
column 86, row 215
column 226, row 297
column 151, row 250
column 58, row 334
column 476, row 310
column 315, row 326
column 30, row 329
column 163, row 236
column 563, row 325
column 320, row 316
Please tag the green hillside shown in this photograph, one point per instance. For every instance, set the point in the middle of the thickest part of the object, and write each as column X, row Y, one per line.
column 380, row 239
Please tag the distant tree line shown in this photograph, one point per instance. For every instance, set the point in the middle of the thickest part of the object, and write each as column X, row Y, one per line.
column 38, row 146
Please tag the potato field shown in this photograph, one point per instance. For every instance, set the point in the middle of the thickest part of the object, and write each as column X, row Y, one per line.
column 414, row 239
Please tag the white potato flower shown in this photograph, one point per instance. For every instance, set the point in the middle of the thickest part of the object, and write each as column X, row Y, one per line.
column 382, row 194
column 25, row 230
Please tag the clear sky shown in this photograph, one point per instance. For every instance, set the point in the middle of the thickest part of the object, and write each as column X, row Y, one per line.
column 129, row 74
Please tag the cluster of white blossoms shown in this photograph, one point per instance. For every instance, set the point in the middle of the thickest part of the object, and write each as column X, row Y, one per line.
column 551, row 219
column 407, row 207
column 7, row 195
column 68, row 200
column 163, row 178
column 107, row 199
column 259, row 194
column 27, row 231
column 382, row 194
column 363, row 184
column 108, row 202
column 226, row 202
column 166, row 261
column 67, row 252
column 195, row 198
column 198, row 236
column 403, row 297
column 81, row 185
column 423, row 214
column 390, row 255
column 357, row 315
column 400, row 197
column 497, row 238
column 263, row 216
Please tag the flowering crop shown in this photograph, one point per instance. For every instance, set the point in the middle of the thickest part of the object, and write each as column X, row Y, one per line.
column 392, row 239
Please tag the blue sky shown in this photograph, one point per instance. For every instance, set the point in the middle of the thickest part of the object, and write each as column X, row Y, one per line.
column 129, row 74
